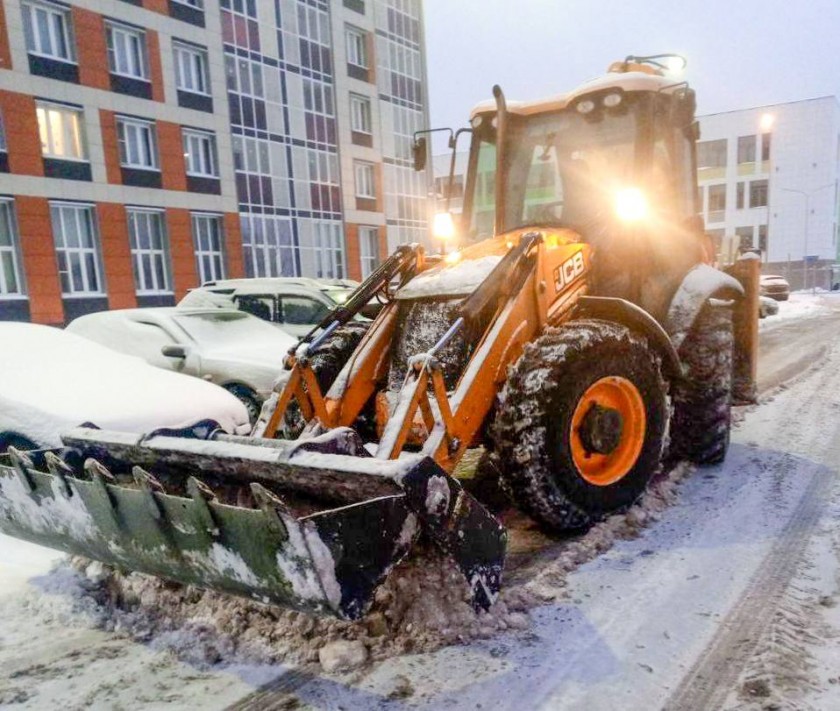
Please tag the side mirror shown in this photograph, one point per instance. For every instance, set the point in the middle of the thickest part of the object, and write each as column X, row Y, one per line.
column 418, row 150
column 174, row 351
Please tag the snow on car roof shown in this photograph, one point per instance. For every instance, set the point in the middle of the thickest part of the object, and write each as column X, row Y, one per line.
column 51, row 380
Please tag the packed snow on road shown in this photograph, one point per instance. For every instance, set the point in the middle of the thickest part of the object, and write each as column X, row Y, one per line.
column 718, row 589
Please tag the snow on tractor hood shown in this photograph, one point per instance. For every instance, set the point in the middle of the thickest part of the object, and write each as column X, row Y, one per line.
column 461, row 275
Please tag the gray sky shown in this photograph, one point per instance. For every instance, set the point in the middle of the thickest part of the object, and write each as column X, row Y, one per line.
column 740, row 53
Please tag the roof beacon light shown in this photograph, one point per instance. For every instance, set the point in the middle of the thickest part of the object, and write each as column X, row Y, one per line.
column 586, row 106
column 631, row 205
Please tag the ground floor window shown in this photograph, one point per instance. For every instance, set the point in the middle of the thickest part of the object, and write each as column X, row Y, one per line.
column 369, row 249
column 149, row 252
column 208, row 237
column 11, row 276
column 77, row 249
column 329, row 250
column 268, row 246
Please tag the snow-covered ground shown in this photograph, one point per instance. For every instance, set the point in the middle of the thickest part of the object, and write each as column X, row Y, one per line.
column 728, row 598
column 802, row 305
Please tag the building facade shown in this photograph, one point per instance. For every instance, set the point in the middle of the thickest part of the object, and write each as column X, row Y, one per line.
column 147, row 146
column 769, row 181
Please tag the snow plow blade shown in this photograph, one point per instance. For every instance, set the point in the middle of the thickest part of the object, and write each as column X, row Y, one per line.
column 243, row 517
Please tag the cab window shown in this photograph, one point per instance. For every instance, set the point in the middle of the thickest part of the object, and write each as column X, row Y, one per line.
column 300, row 310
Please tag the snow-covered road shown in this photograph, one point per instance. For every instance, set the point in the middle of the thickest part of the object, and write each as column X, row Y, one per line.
column 728, row 600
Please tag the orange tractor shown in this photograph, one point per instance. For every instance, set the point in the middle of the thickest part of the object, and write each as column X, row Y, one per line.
column 577, row 335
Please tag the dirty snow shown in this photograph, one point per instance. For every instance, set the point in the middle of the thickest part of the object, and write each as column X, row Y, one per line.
column 457, row 279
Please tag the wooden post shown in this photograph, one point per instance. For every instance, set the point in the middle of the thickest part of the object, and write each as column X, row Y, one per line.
column 747, row 270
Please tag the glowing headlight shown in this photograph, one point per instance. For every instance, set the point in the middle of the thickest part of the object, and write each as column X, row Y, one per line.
column 443, row 226
column 452, row 258
column 612, row 100
column 586, row 106
column 631, row 205
column 477, row 121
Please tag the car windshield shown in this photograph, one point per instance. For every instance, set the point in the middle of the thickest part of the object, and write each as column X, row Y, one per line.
column 560, row 166
column 339, row 296
column 224, row 328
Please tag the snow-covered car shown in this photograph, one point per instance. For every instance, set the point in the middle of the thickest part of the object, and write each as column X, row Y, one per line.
column 228, row 347
column 767, row 307
column 51, row 381
column 294, row 304
column 774, row 286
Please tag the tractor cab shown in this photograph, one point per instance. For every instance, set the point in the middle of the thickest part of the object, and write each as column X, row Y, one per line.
column 613, row 160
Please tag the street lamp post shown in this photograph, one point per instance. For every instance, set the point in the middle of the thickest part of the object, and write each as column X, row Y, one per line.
column 807, row 195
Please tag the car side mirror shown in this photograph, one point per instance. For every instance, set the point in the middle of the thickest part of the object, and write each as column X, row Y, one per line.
column 174, row 351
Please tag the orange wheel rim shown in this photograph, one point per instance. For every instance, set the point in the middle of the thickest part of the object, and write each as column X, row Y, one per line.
column 608, row 430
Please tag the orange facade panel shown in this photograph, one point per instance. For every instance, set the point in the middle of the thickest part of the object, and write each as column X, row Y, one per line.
column 91, row 48
column 160, row 6
column 116, row 255
column 353, row 252
column 5, row 53
column 22, row 139
column 233, row 246
column 155, row 70
column 182, row 251
column 171, row 147
column 39, row 259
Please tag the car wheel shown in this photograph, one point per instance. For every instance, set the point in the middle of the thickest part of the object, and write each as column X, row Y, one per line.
column 248, row 398
column 12, row 439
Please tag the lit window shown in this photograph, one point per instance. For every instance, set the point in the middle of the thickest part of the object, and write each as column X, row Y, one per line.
column 77, row 249
column 356, row 47
column 11, row 278
column 365, row 181
column 200, row 153
column 209, row 252
column 60, row 128
column 127, row 51
column 137, row 144
column 149, row 251
column 369, row 249
column 47, row 30
column 360, row 114
column 191, row 69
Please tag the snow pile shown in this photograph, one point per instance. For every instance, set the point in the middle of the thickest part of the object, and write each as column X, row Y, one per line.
column 423, row 606
column 801, row 305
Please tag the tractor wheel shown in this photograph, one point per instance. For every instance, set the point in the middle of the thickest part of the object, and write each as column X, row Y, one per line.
column 581, row 423
column 702, row 401
column 248, row 398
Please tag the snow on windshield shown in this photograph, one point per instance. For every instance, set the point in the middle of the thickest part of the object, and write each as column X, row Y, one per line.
column 226, row 328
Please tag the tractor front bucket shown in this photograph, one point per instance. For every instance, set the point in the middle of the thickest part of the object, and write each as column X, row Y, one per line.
column 298, row 524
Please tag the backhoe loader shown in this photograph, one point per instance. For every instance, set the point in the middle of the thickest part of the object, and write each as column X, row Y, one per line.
column 578, row 333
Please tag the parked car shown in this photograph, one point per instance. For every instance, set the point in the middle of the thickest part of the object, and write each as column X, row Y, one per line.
column 228, row 347
column 295, row 305
column 52, row 380
column 774, row 286
column 767, row 307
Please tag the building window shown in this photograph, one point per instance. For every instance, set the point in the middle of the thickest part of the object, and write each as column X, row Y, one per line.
column 127, row 51
column 360, row 114
column 268, row 246
column 758, row 193
column 711, row 154
column 149, row 251
column 365, row 181
column 11, row 281
column 717, row 199
column 369, row 249
column 200, row 152
column 766, row 139
column 60, row 128
column 3, row 147
column 746, row 149
column 197, row 4
column 191, row 69
column 356, row 41
column 745, row 237
column 244, row 76
column 739, row 196
column 47, row 30
column 77, row 249
column 209, row 253
column 762, row 238
column 329, row 250
column 137, row 144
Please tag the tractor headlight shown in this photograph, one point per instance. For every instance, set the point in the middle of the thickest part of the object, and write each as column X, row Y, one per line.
column 586, row 106
column 631, row 205
column 443, row 226
column 612, row 100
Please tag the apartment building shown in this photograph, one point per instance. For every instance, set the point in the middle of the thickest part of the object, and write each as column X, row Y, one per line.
column 769, row 181
column 149, row 145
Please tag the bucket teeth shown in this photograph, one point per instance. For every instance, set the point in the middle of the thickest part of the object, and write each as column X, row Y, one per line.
column 271, row 505
column 59, row 469
column 148, row 485
column 201, row 494
column 22, row 463
column 96, row 470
